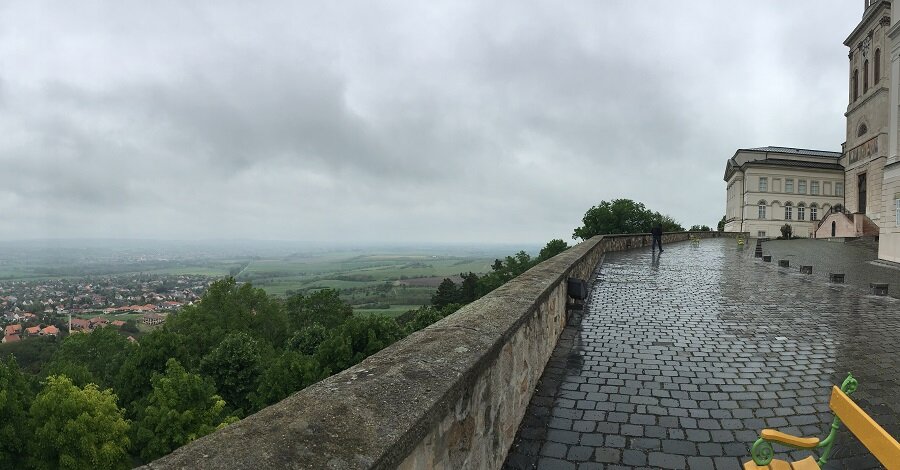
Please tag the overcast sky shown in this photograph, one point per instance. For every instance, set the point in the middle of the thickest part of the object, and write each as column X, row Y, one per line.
column 415, row 121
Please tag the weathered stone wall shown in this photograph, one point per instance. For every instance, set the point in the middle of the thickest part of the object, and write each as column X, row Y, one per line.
column 450, row 396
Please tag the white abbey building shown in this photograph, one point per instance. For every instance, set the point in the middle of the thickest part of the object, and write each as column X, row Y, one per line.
column 856, row 192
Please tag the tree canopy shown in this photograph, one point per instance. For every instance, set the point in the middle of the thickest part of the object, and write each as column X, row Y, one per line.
column 77, row 428
column 622, row 216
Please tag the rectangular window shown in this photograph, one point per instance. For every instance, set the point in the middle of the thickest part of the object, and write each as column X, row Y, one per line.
column 787, row 213
column 763, row 184
column 897, row 210
column 789, row 185
column 762, row 211
column 826, row 189
column 814, row 188
column 838, row 189
column 801, row 186
column 813, row 213
column 801, row 213
column 761, row 234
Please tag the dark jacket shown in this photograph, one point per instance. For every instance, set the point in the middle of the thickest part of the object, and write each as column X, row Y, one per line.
column 656, row 231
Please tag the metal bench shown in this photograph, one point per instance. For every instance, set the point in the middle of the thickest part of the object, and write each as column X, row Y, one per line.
column 884, row 447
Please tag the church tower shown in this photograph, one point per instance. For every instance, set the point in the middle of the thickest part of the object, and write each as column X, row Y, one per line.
column 865, row 150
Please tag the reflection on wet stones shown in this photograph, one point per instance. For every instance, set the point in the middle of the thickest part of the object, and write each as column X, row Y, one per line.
column 681, row 365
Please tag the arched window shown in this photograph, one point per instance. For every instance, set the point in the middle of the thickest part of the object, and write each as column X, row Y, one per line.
column 801, row 211
column 813, row 212
column 788, row 211
column 877, row 65
column 865, row 76
column 761, row 205
column 855, row 85
column 862, row 130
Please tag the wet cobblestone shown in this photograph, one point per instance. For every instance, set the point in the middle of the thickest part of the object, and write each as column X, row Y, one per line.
column 679, row 360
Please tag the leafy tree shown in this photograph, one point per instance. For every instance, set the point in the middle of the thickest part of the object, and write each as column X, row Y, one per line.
column 447, row 293
column 356, row 339
column 622, row 216
column 425, row 316
column 288, row 373
column 786, row 231
column 308, row 339
column 553, row 248
column 324, row 307
column 150, row 356
column 700, row 228
column 15, row 399
column 225, row 308
column 77, row 428
column 32, row 355
column 721, row 226
column 130, row 326
column 101, row 352
column 235, row 365
column 468, row 290
column 182, row 407
column 76, row 371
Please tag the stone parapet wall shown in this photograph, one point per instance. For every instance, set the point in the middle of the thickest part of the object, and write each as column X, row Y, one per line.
column 449, row 396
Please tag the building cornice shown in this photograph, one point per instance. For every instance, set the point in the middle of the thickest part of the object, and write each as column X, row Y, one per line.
column 868, row 96
column 871, row 12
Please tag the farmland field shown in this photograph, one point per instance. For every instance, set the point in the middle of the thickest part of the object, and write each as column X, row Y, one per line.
column 377, row 283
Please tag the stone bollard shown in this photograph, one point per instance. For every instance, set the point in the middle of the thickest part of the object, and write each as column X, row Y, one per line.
column 837, row 278
column 879, row 288
column 767, row 258
column 783, row 263
column 805, row 269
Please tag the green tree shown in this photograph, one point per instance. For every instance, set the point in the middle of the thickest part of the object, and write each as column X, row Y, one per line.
column 721, row 226
column 308, row 339
column 101, row 352
column 150, row 356
column 235, row 365
column 425, row 316
column 15, row 399
column 324, row 307
column 228, row 307
column 288, row 373
column 468, row 290
column 356, row 339
column 553, row 248
column 700, row 228
column 182, row 407
column 622, row 216
column 447, row 293
column 77, row 428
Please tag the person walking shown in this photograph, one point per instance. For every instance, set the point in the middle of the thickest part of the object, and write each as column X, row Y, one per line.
column 656, row 231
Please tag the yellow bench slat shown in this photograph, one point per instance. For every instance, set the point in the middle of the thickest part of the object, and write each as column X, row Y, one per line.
column 778, row 436
column 806, row 464
column 884, row 447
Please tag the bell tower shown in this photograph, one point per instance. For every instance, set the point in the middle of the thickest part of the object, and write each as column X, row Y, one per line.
column 868, row 111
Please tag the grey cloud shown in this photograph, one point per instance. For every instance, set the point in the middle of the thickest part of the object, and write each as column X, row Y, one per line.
column 441, row 121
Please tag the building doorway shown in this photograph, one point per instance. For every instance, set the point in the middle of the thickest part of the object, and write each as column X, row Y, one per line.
column 861, row 189
column 833, row 228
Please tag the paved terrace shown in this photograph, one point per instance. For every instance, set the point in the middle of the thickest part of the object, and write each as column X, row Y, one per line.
column 679, row 360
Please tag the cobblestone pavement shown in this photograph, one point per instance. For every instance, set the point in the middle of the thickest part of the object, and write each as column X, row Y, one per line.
column 678, row 362
column 852, row 258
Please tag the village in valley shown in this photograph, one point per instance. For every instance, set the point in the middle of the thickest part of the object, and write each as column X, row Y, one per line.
column 131, row 303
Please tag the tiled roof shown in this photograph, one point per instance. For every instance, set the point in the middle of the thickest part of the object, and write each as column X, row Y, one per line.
column 793, row 151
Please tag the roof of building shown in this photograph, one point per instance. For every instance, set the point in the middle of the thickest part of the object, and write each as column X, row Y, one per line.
column 794, row 151
column 800, row 163
column 11, row 338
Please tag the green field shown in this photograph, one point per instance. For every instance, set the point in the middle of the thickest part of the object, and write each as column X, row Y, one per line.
column 398, row 280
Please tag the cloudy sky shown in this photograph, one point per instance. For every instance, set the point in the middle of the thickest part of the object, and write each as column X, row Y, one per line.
column 381, row 121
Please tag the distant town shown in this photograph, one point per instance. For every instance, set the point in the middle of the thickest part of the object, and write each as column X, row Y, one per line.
column 31, row 308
